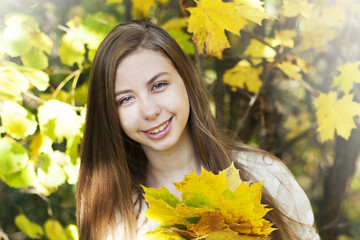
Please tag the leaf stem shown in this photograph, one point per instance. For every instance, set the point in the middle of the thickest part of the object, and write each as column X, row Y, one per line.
column 67, row 79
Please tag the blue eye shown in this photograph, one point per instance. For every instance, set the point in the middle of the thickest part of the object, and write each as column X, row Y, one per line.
column 125, row 100
column 158, row 85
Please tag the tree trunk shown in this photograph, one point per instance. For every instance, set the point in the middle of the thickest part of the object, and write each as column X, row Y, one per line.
column 336, row 181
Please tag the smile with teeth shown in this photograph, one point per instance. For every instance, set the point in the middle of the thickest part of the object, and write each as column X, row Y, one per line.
column 159, row 129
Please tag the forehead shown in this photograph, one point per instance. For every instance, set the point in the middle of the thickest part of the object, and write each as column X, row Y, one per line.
column 142, row 64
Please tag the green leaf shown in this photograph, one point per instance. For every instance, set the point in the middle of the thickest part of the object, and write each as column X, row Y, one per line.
column 42, row 42
column 163, row 194
column 71, row 231
column 175, row 28
column 71, row 50
column 72, row 148
column 13, row 156
column 25, row 21
column 50, row 173
column 70, row 168
column 81, row 93
column 54, row 230
column 37, row 78
column 59, row 120
column 35, row 58
column 12, row 83
column 30, row 229
column 17, row 41
column 17, row 121
column 21, row 179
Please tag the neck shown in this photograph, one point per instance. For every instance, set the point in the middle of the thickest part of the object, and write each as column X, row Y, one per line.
column 166, row 167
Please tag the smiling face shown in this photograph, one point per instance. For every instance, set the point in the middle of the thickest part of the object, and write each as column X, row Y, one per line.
column 152, row 101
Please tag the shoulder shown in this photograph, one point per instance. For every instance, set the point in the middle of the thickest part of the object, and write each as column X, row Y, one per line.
column 280, row 183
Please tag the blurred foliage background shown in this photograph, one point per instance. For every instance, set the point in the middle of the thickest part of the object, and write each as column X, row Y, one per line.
column 283, row 75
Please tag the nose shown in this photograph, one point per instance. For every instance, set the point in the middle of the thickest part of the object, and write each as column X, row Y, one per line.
column 149, row 109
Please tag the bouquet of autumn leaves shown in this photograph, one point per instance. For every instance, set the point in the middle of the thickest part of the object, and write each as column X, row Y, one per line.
column 213, row 207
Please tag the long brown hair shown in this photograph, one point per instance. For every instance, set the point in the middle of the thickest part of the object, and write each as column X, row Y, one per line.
column 113, row 166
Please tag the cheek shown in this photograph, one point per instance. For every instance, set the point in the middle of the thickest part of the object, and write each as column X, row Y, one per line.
column 127, row 121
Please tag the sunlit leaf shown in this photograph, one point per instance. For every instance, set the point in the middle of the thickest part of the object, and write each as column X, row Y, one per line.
column 23, row 178
column 208, row 206
column 251, row 10
column 13, row 156
column 258, row 50
column 162, row 234
column 163, row 194
column 244, row 75
column 70, row 168
column 54, row 230
column 40, row 144
column 35, row 58
column 59, row 120
column 233, row 179
column 143, row 6
column 208, row 21
column 72, row 148
column 293, row 8
column 290, row 69
column 50, row 173
column 12, row 83
column 71, row 50
column 208, row 195
column 16, row 40
column 42, row 42
column 36, row 77
column 349, row 74
column 71, row 232
column 94, row 28
column 28, row 227
column 17, row 121
column 175, row 28
column 22, row 20
column 284, row 38
column 335, row 114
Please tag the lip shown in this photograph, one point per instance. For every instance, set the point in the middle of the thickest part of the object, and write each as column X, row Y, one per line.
column 160, row 134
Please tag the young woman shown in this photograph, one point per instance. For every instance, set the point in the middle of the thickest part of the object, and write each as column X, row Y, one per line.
column 148, row 122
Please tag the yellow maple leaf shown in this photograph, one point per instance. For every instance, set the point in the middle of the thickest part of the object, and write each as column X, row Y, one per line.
column 212, row 186
column 258, row 50
column 293, row 8
column 318, row 39
column 143, row 6
column 251, row 10
column 295, row 125
column 349, row 74
column 209, row 222
column 208, row 21
column 243, row 74
column 285, row 38
column 335, row 114
column 212, row 207
column 291, row 70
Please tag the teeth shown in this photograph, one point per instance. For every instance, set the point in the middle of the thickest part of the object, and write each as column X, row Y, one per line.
column 159, row 129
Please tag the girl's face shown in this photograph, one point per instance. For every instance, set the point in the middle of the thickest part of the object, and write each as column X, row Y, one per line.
column 152, row 100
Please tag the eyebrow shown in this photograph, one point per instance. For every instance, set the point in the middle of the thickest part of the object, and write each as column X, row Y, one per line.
column 150, row 82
